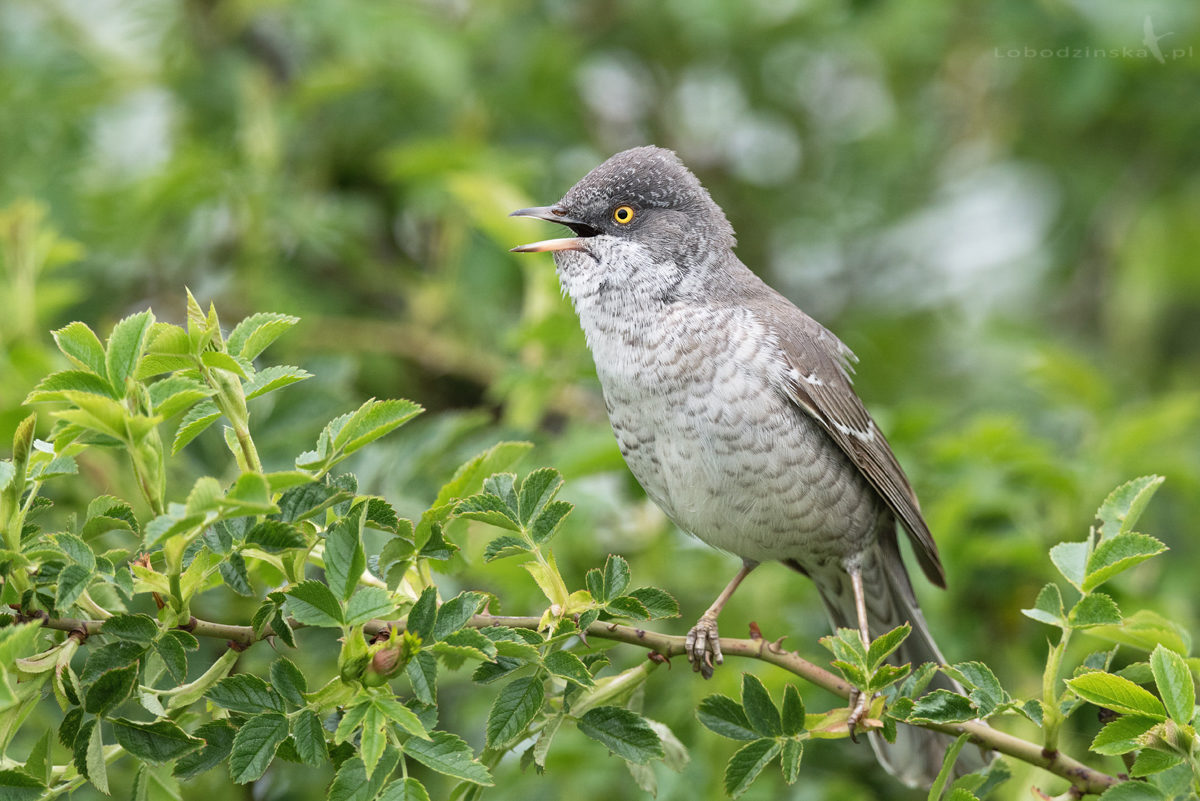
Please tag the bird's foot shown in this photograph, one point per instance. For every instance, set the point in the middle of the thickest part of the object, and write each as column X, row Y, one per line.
column 860, row 706
column 703, row 646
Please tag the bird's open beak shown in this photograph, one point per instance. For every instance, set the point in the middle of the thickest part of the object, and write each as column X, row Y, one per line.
column 556, row 215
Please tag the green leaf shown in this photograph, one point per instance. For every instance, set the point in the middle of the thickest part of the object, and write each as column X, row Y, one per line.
column 270, row 379
column 175, row 394
column 1048, row 608
column 513, row 710
column 289, row 681
column 52, row 388
column 567, row 665
column 107, row 657
column 1071, row 560
column 985, row 690
column 274, row 536
column 465, row 644
column 89, row 755
column 1174, row 682
column 198, row 418
column 658, row 603
column 537, row 490
column 624, row 732
column 947, row 771
column 1146, row 630
column 252, row 335
column 352, row 782
column 488, row 508
column 942, row 706
column 1117, row 554
column 16, row 785
column 401, row 715
column 1133, row 791
column 81, row 345
column 108, row 691
column 725, row 716
column 125, row 345
column 423, row 614
column 760, row 709
column 454, row 614
column 628, row 606
column 885, row 645
column 745, row 766
column 547, row 522
column 313, row 604
column 468, row 479
column 309, row 737
column 72, row 581
column 368, row 603
column 373, row 420
column 505, row 545
column 374, row 736
column 1122, row 735
column 138, row 628
column 1124, row 505
column 246, row 693
column 792, row 718
column 157, row 743
column 255, row 744
column 1096, row 609
column 404, row 790
column 218, row 742
column 449, row 755
column 789, row 760
column 422, row 675
column 1150, row 761
column 616, row 578
column 223, row 361
column 344, row 557
column 1116, row 693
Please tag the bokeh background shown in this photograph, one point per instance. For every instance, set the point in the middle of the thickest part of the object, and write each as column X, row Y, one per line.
column 996, row 205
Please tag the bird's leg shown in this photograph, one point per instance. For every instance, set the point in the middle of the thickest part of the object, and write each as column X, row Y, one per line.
column 703, row 644
column 860, row 703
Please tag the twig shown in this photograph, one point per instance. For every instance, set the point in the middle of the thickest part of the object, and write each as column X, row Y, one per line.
column 1081, row 776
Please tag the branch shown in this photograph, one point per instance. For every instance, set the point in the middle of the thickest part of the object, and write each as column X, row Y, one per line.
column 1086, row 779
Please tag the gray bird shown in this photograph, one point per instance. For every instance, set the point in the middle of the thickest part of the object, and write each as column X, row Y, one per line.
column 735, row 412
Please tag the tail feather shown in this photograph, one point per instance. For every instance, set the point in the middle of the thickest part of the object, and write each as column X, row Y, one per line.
column 916, row 756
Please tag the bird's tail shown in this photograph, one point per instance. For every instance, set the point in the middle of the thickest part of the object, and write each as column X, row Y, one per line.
column 916, row 756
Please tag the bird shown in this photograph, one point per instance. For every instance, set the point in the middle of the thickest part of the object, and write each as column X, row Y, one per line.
column 736, row 413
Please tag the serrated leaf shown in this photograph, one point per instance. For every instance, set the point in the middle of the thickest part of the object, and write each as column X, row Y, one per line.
column 309, row 737
column 252, row 335
column 1146, row 630
column 1174, row 682
column 628, row 606
column 125, row 345
column 1133, row 791
column 81, row 345
column 51, row 388
column 93, row 757
column 1117, row 554
column 246, row 693
column 254, row 746
column 422, row 675
column 514, row 708
column 1124, row 505
column 139, row 628
column 792, row 717
column 109, row 690
column 1150, row 761
column 1071, row 560
column 1096, row 609
column 745, row 765
column 465, row 644
column 345, row 560
column 985, row 690
column 449, row 755
column 423, row 614
column 1122, row 735
column 548, row 520
column 218, row 742
column 760, row 709
column 107, row 657
column 157, row 743
column 198, row 418
column 454, row 614
column 884, row 645
column 504, row 545
column 1116, row 693
column 314, row 604
column 172, row 395
column 408, row 789
column 272, row 378
column 537, row 490
column 72, row 581
column 352, row 782
column 942, row 706
column 468, row 479
column 567, row 665
column 373, row 420
column 274, row 536
column 624, row 732
column 1048, row 608
column 946, row 772
column 615, row 578
column 488, row 508
column 170, row 651
column 368, row 603
column 789, row 760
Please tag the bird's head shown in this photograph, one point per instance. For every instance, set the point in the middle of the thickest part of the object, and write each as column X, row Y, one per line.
column 640, row 212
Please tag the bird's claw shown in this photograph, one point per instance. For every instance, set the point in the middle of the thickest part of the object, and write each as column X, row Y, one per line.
column 703, row 646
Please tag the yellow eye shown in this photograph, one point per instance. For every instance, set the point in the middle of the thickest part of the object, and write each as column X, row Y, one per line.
column 623, row 214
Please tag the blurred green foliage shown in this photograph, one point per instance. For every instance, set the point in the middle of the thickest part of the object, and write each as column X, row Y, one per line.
column 995, row 205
